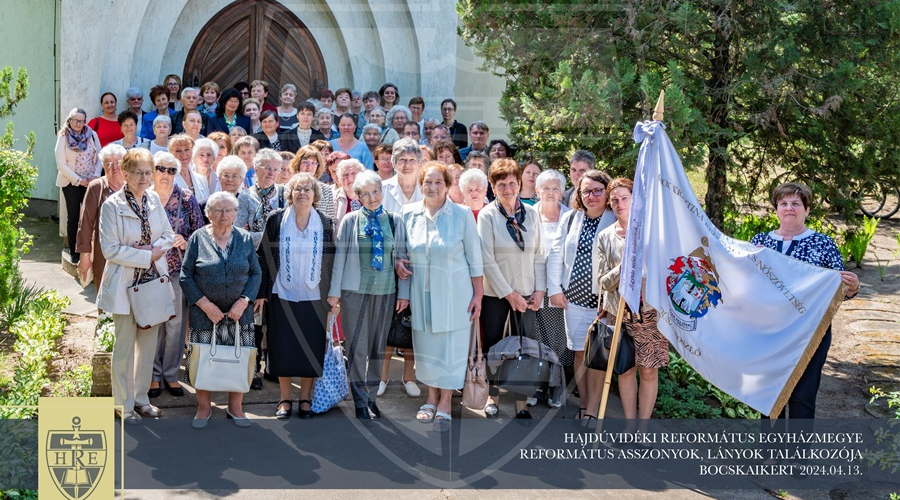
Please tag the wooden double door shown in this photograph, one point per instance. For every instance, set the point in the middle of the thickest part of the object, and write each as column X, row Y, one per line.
column 257, row 39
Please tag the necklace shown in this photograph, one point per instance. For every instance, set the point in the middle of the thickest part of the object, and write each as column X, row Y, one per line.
column 303, row 230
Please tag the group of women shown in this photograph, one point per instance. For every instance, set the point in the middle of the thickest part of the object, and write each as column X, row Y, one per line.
column 277, row 242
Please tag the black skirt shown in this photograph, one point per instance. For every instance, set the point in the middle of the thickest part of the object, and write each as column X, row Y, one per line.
column 296, row 338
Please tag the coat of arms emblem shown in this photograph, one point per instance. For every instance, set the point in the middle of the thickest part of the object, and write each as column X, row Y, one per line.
column 76, row 459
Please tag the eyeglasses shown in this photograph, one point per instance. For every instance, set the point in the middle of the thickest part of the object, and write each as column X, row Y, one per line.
column 166, row 170
column 222, row 211
column 76, row 121
column 309, row 163
column 304, row 190
column 371, row 194
column 112, row 163
column 172, row 84
column 141, row 173
column 596, row 193
column 230, row 177
column 796, row 205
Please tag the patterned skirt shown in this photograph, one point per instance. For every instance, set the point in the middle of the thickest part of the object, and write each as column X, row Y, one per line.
column 224, row 337
column 651, row 349
column 550, row 324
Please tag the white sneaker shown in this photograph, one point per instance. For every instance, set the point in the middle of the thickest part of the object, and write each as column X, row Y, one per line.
column 531, row 401
column 412, row 389
column 553, row 403
column 382, row 386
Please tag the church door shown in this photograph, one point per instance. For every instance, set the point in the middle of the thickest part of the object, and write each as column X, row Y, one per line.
column 257, row 39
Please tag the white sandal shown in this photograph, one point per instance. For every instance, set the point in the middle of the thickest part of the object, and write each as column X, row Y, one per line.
column 442, row 421
column 429, row 411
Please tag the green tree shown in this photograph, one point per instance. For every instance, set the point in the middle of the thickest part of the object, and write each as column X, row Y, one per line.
column 752, row 87
column 17, row 178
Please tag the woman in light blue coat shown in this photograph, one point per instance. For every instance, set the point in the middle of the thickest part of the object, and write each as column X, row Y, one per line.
column 444, row 251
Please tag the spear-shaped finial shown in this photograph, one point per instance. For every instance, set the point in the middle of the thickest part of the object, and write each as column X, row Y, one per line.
column 659, row 110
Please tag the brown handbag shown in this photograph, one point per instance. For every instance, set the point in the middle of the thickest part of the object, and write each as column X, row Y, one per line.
column 475, row 389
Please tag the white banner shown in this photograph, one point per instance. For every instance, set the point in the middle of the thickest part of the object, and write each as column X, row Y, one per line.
column 748, row 319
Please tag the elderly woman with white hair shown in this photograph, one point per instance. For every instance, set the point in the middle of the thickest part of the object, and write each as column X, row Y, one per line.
column 551, row 330
column 87, row 241
column 397, row 117
column 162, row 127
column 263, row 197
column 255, row 205
column 231, row 172
column 185, row 217
column 345, row 199
column 365, row 282
column 203, row 159
column 473, row 184
column 324, row 123
column 371, row 134
column 220, row 277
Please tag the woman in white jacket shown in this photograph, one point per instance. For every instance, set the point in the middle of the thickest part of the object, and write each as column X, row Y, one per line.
column 134, row 237
column 78, row 162
column 573, row 269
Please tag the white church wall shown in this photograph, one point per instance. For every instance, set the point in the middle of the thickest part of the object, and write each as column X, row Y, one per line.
column 110, row 46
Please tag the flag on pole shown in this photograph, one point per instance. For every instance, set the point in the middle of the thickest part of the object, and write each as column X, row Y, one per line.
column 748, row 319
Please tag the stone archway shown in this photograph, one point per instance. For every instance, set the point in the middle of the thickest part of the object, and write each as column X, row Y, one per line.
column 257, row 39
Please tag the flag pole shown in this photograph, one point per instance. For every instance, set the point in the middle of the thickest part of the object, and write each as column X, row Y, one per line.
column 613, row 349
column 658, row 113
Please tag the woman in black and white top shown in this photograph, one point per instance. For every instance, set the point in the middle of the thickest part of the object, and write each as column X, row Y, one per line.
column 573, row 269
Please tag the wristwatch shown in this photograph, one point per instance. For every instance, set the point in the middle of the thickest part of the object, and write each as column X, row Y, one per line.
column 248, row 299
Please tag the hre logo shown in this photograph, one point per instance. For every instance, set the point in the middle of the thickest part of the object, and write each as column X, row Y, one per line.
column 76, row 459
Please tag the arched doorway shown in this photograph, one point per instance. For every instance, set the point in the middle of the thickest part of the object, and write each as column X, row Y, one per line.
column 257, row 39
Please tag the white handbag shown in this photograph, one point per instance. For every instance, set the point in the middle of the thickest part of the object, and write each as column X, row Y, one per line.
column 153, row 302
column 222, row 369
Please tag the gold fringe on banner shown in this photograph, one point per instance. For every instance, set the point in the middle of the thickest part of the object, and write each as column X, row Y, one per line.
column 809, row 352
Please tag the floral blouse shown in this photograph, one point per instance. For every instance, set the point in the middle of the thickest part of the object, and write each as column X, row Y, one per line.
column 191, row 219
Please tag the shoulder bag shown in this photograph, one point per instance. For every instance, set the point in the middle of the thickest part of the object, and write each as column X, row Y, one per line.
column 598, row 343
column 152, row 302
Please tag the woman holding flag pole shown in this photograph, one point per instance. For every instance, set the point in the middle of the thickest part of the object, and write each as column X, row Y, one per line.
column 651, row 348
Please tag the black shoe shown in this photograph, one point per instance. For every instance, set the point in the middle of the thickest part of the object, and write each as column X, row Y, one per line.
column 365, row 413
column 256, row 384
column 284, row 414
column 524, row 415
column 305, row 413
column 154, row 392
column 174, row 391
column 373, row 409
column 576, row 393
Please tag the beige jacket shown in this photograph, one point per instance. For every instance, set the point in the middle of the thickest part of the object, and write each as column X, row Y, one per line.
column 65, row 158
column 506, row 267
column 609, row 255
column 120, row 230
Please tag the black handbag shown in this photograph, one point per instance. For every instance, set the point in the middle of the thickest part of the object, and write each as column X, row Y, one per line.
column 400, row 334
column 598, row 344
column 524, row 374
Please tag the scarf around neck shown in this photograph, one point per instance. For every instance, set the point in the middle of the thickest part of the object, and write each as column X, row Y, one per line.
column 515, row 224
column 372, row 229
column 142, row 210
column 78, row 142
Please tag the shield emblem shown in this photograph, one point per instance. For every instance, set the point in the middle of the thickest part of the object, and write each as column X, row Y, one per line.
column 688, row 294
column 76, row 460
